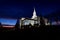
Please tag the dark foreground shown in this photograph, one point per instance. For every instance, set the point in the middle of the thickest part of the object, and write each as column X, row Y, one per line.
column 32, row 31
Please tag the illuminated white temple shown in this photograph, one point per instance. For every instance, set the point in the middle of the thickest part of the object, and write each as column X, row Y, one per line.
column 34, row 14
column 34, row 20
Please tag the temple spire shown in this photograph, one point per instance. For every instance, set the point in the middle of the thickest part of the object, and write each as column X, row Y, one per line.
column 34, row 14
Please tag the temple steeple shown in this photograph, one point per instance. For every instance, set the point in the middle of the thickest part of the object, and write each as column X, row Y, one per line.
column 34, row 14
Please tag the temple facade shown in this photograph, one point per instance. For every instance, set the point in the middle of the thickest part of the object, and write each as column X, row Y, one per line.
column 33, row 20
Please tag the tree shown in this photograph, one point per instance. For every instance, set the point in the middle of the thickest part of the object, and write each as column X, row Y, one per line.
column 42, row 21
column 30, row 25
column 56, row 19
column 0, row 26
column 17, row 25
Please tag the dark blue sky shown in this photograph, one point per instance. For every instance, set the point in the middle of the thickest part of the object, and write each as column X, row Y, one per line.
column 24, row 8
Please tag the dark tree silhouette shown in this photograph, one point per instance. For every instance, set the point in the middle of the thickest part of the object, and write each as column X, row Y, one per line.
column 42, row 21
column 17, row 25
column 0, row 26
column 56, row 19
column 30, row 24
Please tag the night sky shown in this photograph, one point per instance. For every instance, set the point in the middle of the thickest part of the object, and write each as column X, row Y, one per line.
column 23, row 8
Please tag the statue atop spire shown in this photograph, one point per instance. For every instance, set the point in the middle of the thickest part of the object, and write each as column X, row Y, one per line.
column 34, row 14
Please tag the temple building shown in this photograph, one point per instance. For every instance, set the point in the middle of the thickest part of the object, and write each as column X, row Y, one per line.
column 33, row 20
